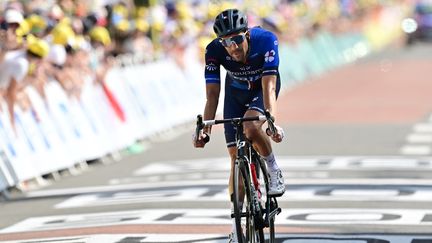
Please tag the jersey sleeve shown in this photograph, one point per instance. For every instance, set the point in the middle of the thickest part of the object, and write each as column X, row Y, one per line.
column 271, row 54
column 212, row 65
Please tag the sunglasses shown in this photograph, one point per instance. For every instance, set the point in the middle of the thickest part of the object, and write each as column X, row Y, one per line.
column 237, row 39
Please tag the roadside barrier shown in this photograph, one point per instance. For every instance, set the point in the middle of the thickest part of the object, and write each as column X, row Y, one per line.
column 135, row 102
column 311, row 57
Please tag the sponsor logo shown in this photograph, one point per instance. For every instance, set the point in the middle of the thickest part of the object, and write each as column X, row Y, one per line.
column 246, row 72
column 245, row 68
column 211, row 67
column 269, row 56
column 241, row 144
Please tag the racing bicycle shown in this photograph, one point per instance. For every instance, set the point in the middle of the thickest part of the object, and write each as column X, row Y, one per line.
column 250, row 184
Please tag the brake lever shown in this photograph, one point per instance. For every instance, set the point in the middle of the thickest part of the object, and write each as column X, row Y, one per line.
column 270, row 121
column 199, row 127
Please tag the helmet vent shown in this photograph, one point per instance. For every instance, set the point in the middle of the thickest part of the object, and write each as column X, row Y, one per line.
column 235, row 18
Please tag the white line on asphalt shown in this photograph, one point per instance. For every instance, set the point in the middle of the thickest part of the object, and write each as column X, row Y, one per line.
column 416, row 150
column 222, row 238
column 423, row 127
column 212, row 216
column 292, row 194
column 288, row 182
column 117, row 238
column 419, row 138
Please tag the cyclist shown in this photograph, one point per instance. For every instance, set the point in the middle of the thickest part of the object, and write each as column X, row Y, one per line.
column 252, row 84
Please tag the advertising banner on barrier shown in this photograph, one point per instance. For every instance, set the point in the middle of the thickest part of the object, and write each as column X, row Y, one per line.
column 18, row 148
column 7, row 176
column 53, row 135
column 7, row 152
column 3, row 171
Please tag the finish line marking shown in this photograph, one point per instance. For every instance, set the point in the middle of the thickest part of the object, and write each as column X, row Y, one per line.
column 219, row 238
column 288, row 217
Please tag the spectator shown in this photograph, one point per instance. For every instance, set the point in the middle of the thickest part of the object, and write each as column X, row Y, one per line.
column 12, row 21
column 15, row 68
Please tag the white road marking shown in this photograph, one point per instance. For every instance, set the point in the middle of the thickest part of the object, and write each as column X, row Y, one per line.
column 94, row 189
column 416, row 150
column 419, row 138
column 220, row 238
column 345, row 217
column 124, row 238
column 220, row 195
column 306, row 216
column 130, row 197
column 223, row 182
column 291, row 162
column 423, row 128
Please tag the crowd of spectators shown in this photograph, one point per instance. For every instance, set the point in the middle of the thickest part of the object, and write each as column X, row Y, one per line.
column 65, row 40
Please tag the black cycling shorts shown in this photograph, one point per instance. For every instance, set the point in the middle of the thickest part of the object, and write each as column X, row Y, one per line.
column 238, row 101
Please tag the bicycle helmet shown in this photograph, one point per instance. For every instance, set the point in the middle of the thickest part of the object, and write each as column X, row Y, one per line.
column 230, row 21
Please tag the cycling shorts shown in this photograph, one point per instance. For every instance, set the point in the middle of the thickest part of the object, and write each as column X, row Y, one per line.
column 237, row 102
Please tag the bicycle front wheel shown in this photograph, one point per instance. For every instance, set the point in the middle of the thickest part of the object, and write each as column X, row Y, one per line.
column 243, row 194
column 237, row 200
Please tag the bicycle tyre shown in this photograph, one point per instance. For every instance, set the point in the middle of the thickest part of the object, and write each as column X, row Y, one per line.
column 271, row 231
column 254, row 219
column 253, row 233
column 237, row 199
column 270, row 222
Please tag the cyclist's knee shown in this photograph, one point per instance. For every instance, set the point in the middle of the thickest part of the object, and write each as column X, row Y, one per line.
column 251, row 130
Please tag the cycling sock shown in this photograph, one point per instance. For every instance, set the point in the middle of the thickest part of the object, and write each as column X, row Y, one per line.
column 271, row 162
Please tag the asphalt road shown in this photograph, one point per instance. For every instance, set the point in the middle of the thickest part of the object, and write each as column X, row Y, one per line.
column 356, row 160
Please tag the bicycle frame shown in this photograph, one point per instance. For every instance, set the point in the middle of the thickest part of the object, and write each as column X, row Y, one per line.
column 246, row 150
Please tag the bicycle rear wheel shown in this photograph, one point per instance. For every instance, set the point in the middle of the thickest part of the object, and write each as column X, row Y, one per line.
column 243, row 192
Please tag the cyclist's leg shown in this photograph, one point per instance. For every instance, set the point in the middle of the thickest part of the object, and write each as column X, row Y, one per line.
column 253, row 130
column 232, row 151
column 261, row 141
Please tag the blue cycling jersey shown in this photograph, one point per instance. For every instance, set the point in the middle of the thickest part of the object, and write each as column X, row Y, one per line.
column 262, row 59
column 243, row 89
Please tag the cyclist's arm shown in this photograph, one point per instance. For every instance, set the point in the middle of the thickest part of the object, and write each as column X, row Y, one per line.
column 212, row 93
column 213, row 82
column 269, row 93
column 270, row 70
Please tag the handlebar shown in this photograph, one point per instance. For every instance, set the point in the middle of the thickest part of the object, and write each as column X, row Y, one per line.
column 239, row 120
